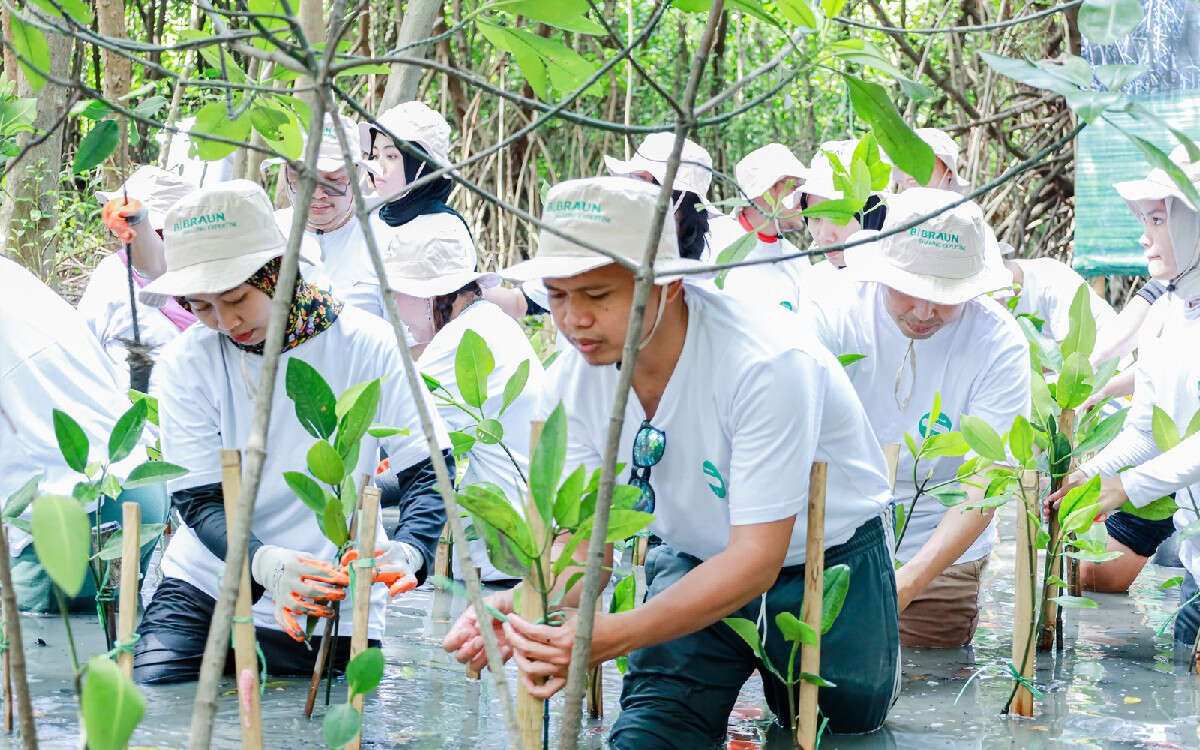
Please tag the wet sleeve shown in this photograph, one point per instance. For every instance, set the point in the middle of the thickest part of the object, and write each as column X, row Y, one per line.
column 422, row 514
column 1164, row 474
column 1152, row 290
column 203, row 511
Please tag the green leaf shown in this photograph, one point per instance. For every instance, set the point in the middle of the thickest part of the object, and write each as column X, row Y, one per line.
column 912, row 446
column 150, row 107
column 325, row 464
column 515, row 385
column 1089, row 105
column 1020, row 439
column 333, row 521
column 566, row 557
column 146, row 534
column 949, row 495
column 982, row 438
column 1081, row 519
column 152, row 472
column 341, row 725
column 624, row 595
column 1193, row 426
column 382, row 431
column 487, row 501
column 1108, row 21
column 622, row 524
column 350, row 396
column 944, row 444
column 127, row 431
column 794, row 630
column 1029, row 74
column 473, row 363
column 524, row 54
column 736, row 253
column 96, row 146
column 461, row 443
column 354, row 423
column 1100, row 435
column 905, row 148
column 365, row 671
column 898, row 523
column 570, row 15
column 845, row 360
column 213, row 119
column 1085, row 495
column 489, row 431
column 835, row 585
column 799, row 12
column 77, row 10
column 1158, row 510
column 111, row 705
column 1073, row 386
column 816, row 679
column 1166, row 434
column 1081, row 337
column 567, row 503
column 500, row 550
column 1074, row 602
column 1171, row 583
column 18, row 501
column 62, row 540
column 1157, row 158
column 748, row 632
column 312, row 397
column 1092, row 557
column 72, row 441
column 546, row 464
column 29, row 42
column 1115, row 77
column 309, row 492
column 1138, row 112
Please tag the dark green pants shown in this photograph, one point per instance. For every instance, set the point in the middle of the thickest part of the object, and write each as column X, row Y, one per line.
column 679, row 694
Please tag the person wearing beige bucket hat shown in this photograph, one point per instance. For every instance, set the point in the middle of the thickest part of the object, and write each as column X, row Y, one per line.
column 440, row 297
column 1133, row 468
column 825, row 230
column 917, row 311
column 332, row 225
column 770, row 178
column 721, row 450
column 946, row 173
column 105, row 303
column 222, row 257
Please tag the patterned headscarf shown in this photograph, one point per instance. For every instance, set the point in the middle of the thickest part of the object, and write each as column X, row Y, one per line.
column 313, row 310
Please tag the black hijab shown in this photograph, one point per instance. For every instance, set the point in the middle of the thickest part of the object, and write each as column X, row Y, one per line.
column 429, row 198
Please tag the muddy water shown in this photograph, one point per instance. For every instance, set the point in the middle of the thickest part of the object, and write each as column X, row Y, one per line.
column 1116, row 685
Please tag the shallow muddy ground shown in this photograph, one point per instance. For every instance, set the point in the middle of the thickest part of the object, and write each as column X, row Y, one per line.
column 1116, row 685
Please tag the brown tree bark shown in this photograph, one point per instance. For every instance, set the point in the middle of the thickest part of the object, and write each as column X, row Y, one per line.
column 117, row 73
column 10, row 58
column 419, row 19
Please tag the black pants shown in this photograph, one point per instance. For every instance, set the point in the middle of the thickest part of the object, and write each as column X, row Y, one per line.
column 679, row 694
column 175, row 627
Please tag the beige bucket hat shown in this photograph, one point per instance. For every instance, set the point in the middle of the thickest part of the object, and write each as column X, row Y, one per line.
column 760, row 169
column 432, row 266
column 943, row 260
column 820, row 175
column 216, row 238
column 946, row 149
column 415, row 122
column 695, row 164
column 329, row 154
column 614, row 213
column 1158, row 185
column 156, row 188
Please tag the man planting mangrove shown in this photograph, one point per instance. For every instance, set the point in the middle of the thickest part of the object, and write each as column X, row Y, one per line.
column 222, row 262
column 917, row 315
column 721, row 449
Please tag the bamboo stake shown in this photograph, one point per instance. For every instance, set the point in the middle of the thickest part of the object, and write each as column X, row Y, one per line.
column 244, row 653
column 595, row 690
column 418, row 391
column 213, row 664
column 1051, row 614
column 1066, row 425
column 441, row 560
column 811, row 610
column 131, row 524
column 581, row 649
column 16, row 651
column 362, row 587
column 530, row 710
column 891, row 452
column 1026, row 582
column 8, row 697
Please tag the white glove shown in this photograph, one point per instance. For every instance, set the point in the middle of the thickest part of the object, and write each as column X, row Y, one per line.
column 294, row 581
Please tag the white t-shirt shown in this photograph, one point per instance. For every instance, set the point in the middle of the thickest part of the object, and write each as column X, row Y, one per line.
column 509, row 347
column 979, row 363
column 105, row 307
column 1047, row 292
column 49, row 360
column 1167, row 376
column 782, row 283
column 205, row 386
column 752, row 403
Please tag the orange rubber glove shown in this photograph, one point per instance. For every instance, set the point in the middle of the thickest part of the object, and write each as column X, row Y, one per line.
column 121, row 216
column 396, row 566
column 297, row 584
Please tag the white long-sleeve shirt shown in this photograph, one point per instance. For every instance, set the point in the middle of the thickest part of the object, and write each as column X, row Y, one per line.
column 1167, row 376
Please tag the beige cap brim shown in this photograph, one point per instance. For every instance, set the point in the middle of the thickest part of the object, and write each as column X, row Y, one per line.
column 621, row 168
column 868, row 263
column 560, row 267
column 208, row 277
column 1147, row 189
column 447, row 284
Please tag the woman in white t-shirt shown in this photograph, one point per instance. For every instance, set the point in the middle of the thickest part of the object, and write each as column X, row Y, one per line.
column 106, row 303
column 440, row 296
column 825, row 231
column 223, row 260
column 1132, row 467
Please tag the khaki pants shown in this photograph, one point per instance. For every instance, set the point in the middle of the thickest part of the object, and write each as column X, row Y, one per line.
column 946, row 613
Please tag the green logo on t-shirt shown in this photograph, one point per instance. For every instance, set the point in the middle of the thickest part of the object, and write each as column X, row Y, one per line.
column 940, row 427
column 718, row 489
column 787, row 305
